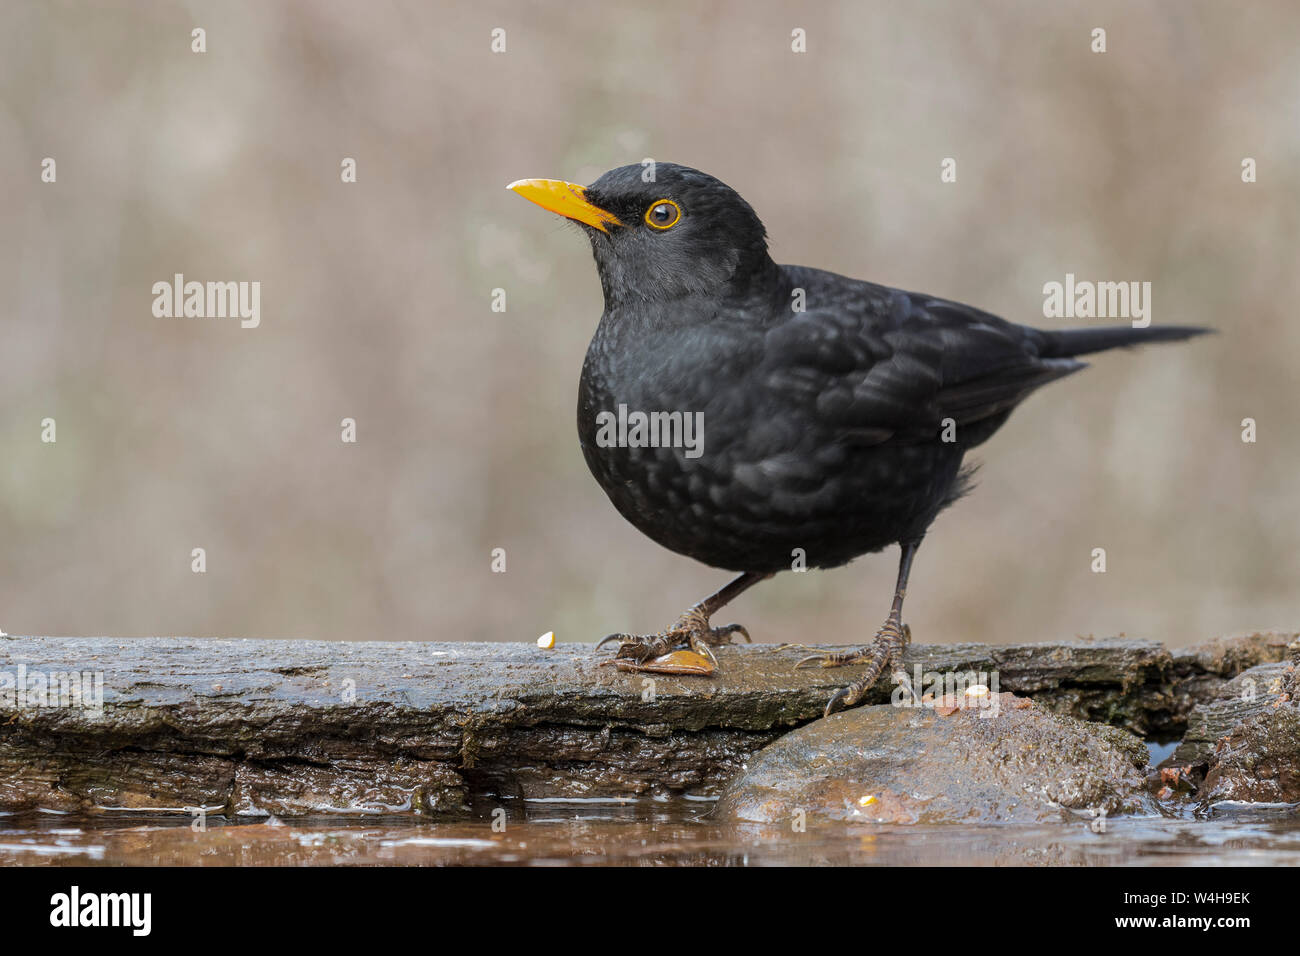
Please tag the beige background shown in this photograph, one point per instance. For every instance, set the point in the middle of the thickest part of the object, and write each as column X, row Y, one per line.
column 175, row 433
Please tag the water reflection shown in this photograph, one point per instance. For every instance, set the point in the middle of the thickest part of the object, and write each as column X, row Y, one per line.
column 643, row 833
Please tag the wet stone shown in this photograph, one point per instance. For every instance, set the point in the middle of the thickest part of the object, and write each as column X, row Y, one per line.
column 1019, row 762
column 287, row 791
column 1251, row 693
column 1258, row 761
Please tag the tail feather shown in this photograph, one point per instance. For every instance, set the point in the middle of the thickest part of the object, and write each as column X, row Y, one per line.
column 1070, row 342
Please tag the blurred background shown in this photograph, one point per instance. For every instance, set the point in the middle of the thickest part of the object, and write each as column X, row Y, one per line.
column 175, row 434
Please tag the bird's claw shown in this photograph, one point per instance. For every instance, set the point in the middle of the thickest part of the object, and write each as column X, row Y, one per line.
column 613, row 637
column 718, row 636
column 692, row 631
column 828, row 660
column 820, row 659
column 888, row 646
column 838, row 696
column 638, row 647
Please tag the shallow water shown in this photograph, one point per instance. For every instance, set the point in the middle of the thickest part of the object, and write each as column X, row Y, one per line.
column 644, row 833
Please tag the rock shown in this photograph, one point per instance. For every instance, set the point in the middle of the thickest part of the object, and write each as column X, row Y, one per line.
column 1242, row 745
column 1258, row 761
column 1247, row 695
column 911, row 765
column 413, row 785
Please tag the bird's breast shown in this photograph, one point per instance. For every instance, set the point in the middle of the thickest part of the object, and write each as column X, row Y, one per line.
column 708, row 464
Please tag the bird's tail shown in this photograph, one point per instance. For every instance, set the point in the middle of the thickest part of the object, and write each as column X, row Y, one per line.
column 1070, row 342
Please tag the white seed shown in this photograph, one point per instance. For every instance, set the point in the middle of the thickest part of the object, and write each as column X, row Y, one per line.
column 546, row 641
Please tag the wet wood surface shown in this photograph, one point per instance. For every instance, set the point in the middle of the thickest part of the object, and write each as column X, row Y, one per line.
column 252, row 727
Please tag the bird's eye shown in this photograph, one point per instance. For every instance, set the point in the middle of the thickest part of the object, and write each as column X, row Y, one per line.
column 663, row 214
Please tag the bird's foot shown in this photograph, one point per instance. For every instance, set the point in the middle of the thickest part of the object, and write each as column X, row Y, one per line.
column 692, row 632
column 887, row 647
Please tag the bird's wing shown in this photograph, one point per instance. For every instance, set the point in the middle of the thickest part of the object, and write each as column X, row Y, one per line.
column 881, row 364
column 987, row 365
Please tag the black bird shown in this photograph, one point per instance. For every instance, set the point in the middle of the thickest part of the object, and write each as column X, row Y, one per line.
column 835, row 412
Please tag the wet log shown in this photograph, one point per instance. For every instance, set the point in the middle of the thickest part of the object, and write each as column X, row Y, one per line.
column 253, row 727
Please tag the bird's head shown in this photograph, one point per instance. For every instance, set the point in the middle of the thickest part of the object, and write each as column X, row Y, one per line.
column 661, row 232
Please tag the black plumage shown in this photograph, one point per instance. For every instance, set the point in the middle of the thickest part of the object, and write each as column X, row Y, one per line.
column 836, row 413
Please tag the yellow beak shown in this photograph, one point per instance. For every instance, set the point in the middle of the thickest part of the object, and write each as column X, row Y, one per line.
column 567, row 199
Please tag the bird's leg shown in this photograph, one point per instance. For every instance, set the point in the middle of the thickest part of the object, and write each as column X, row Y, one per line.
column 887, row 646
column 691, row 629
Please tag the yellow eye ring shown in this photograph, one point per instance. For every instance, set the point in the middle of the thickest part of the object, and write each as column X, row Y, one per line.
column 663, row 214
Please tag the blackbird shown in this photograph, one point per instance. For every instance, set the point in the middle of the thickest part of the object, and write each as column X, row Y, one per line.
column 759, row 417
